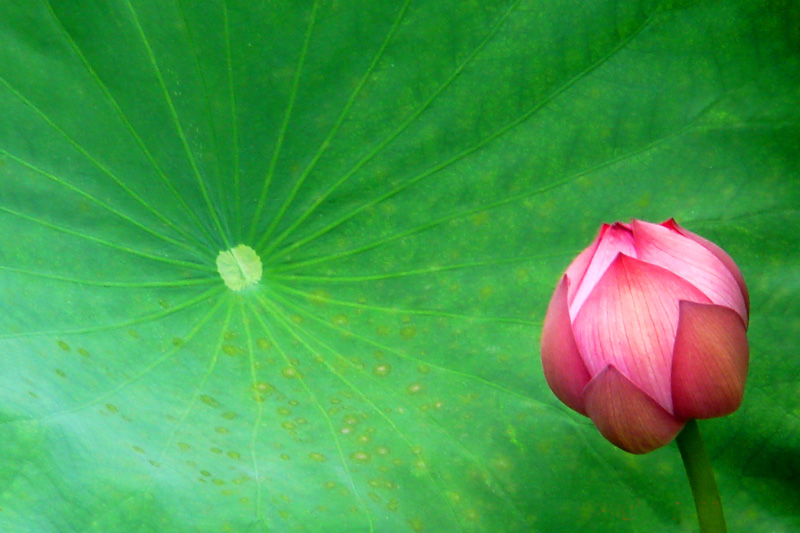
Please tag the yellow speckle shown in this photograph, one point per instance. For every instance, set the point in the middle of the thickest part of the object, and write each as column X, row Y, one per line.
column 480, row 219
column 319, row 297
column 290, row 372
column 285, row 456
column 209, row 401
column 340, row 320
column 264, row 344
column 360, row 456
column 137, row 449
column 288, row 425
column 416, row 525
column 221, row 430
column 184, row 447
column 230, row 349
column 382, row 370
column 318, row 457
column 408, row 332
column 486, row 291
column 228, row 415
column 111, row 408
column 423, row 369
column 177, row 342
column 297, row 319
column 64, row 346
column 330, row 485
column 234, row 455
column 83, row 352
column 61, row 373
column 415, row 388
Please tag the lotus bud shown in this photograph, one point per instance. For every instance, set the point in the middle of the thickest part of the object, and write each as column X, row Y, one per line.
column 646, row 330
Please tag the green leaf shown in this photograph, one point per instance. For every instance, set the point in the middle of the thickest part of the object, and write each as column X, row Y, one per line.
column 414, row 177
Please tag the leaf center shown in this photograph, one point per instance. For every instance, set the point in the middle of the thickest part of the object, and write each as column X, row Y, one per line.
column 239, row 267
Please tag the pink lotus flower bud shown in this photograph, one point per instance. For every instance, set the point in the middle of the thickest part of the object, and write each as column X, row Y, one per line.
column 646, row 330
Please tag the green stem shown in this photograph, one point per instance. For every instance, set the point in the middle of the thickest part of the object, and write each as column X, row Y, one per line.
column 701, row 479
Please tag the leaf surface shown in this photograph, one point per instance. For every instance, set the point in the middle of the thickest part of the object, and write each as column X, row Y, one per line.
column 414, row 176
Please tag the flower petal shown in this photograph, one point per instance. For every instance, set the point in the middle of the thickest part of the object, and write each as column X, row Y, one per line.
column 709, row 367
column 630, row 320
column 626, row 415
column 721, row 254
column 613, row 240
column 563, row 367
column 690, row 260
column 577, row 269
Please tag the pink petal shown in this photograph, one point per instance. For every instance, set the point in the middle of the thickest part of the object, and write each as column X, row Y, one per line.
column 709, row 367
column 577, row 268
column 630, row 320
column 563, row 367
column 626, row 415
column 690, row 260
column 721, row 254
column 614, row 240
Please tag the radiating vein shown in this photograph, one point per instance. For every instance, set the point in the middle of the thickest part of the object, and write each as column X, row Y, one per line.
column 480, row 209
column 118, row 284
column 129, row 126
column 457, row 157
column 141, row 373
column 328, row 138
column 424, row 312
column 262, row 197
column 259, row 409
column 212, row 364
column 416, row 272
column 204, row 296
column 362, row 504
column 377, row 410
column 388, row 349
column 161, row 259
column 190, row 38
column 178, row 127
column 237, row 186
column 105, row 170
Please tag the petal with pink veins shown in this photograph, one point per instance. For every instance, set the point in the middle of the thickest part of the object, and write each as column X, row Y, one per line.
column 630, row 320
column 577, row 269
column 626, row 415
column 690, row 260
column 721, row 254
column 709, row 367
column 615, row 240
column 563, row 367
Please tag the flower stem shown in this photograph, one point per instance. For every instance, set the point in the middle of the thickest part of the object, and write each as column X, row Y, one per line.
column 701, row 479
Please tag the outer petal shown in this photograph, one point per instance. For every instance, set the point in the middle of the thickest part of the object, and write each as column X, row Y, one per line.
column 577, row 268
column 626, row 416
column 614, row 240
column 630, row 320
column 690, row 260
column 721, row 254
column 563, row 367
column 709, row 367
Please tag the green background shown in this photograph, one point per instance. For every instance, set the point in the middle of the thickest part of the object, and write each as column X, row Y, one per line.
column 415, row 175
